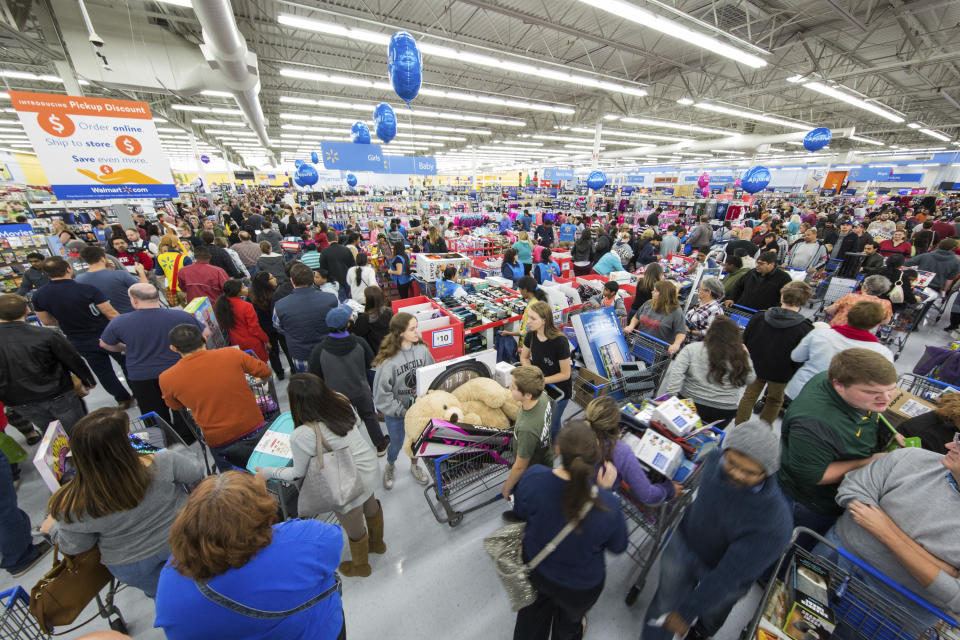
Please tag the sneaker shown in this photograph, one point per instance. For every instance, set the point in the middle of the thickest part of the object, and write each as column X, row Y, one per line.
column 34, row 437
column 388, row 476
column 418, row 474
column 39, row 550
column 382, row 449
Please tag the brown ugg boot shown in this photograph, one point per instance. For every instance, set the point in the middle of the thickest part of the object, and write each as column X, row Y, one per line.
column 358, row 565
column 375, row 531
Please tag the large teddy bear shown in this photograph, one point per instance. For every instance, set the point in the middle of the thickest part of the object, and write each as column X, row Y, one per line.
column 480, row 401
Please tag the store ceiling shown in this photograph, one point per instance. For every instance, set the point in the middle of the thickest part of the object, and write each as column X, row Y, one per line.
column 557, row 67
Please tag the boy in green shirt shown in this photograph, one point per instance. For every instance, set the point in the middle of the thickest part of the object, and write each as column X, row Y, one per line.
column 531, row 433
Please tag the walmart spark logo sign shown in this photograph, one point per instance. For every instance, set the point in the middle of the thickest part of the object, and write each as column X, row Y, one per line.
column 331, row 157
column 347, row 156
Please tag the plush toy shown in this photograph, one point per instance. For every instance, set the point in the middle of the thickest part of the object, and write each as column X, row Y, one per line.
column 489, row 400
column 435, row 404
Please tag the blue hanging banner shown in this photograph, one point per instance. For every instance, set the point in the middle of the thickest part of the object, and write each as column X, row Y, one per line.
column 411, row 165
column 349, row 156
column 556, row 174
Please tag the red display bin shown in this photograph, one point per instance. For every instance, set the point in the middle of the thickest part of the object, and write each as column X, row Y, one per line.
column 445, row 342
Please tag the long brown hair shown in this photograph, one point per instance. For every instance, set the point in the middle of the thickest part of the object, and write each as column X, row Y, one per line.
column 110, row 475
column 311, row 400
column 391, row 342
column 373, row 303
column 667, row 301
column 226, row 521
column 580, row 454
column 543, row 310
column 603, row 416
column 725, row 353
column 651, row 276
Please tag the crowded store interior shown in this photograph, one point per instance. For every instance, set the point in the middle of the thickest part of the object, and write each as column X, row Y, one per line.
column 470, row 319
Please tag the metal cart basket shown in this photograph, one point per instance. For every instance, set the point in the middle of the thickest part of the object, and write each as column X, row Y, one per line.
column 16, row 622
column 882, row 610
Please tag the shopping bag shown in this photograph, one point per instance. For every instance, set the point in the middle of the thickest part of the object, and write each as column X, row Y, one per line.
column 331, row 481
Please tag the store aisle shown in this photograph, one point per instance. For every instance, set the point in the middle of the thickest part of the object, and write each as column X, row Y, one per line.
column 433, row 579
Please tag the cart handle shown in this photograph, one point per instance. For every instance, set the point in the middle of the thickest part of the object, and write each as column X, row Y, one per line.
column 150, row 414
column 878, row 575
column 740, row 306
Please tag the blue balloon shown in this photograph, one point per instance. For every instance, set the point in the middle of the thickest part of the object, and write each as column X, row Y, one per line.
column 306, row 175
column 596, row 180
column 314, row 158
column 404, row 66
column 361, row 133
column 351, row 180
column 386, row 122
column 817, row 139
column 297, row 163
column 755, row 179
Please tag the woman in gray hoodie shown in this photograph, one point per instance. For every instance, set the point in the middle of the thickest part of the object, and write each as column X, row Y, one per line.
column 395, row 386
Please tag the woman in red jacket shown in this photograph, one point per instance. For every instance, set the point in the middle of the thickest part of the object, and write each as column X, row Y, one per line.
column 238, row 319
column 898, row 244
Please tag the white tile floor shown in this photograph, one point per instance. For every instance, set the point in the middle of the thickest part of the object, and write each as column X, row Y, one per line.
column 433, row 579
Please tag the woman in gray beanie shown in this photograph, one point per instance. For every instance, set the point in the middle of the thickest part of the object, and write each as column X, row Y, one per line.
column 710, row 294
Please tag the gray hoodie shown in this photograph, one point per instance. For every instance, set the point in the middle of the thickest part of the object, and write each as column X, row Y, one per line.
column 395, row 383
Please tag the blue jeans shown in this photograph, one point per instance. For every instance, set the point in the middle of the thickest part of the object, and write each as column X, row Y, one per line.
column 803, row 516
column 680, row 573
column 102, row 367
column 66, row 407
column 847, row 622
column 235, row 454
column 557, row 419
column 397, row 435
column 143, row 574
column 15, row 541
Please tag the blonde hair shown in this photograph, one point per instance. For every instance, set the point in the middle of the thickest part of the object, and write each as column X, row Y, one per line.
column 169, row 242
column 523, row 236
column 603, row 416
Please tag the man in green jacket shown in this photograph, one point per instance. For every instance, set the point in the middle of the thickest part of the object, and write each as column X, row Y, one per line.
column 832, row 428
column 733, row 270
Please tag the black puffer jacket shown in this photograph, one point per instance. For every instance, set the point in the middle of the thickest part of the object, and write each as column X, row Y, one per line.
column 36, row 363
column 770, row 337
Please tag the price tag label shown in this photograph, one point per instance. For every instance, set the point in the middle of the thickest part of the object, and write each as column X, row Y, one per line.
column 442, row 338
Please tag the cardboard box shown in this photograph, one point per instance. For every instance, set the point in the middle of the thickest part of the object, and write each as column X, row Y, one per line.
column 656, row 452
column 503, row 375
column 809, row 615
column 202, row 310
column 676, row 416
column 52, row 457
column 905, row 405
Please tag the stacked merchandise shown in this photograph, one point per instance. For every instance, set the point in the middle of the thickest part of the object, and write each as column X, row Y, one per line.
column 441, row 438
column 16, row 241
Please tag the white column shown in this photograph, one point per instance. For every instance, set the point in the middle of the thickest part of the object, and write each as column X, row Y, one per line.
column 596, row 143
column 196, row 156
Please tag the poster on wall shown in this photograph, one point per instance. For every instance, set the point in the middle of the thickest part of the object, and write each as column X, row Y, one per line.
column 95, row 148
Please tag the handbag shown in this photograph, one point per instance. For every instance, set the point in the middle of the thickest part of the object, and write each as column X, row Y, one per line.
column 331, row 481
column 505, row 547
column 59, row 597
column 895, row 295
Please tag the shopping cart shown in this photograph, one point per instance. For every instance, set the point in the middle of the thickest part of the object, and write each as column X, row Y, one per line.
column 16, row 622
column 265, row 392
column 740, row 315
column 895, row 333
column 649, row 528
column 881, row 611
column 459, row 479
column 832, row 289
column 652, row 352
column 923, row 387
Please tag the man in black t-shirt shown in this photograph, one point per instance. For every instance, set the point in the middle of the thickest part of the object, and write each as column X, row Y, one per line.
column 82, row 312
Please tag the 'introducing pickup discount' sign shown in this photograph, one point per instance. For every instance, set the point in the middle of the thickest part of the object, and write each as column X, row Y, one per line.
column 95, row 147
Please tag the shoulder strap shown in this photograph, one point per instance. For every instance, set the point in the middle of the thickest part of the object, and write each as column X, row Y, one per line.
column 563, row 533
column 218, row 598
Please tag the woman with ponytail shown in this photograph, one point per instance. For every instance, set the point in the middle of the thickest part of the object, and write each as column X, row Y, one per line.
column 238, row 319
column 570, row 579
column 603, row 416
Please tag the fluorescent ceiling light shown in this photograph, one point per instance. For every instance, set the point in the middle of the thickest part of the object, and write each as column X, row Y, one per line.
column 866, row 141
column 685, row 102
column 649, row 122
column 852, row 100
column 463, row 56
column 178, row 3
column 420, row 113
column 750, row 115
column 630, row 134
column 934, row 134
column 216, row 94
column 462, row 96
column 676, row 30
column 914, row 125
column 201, row 109
column 796, row 79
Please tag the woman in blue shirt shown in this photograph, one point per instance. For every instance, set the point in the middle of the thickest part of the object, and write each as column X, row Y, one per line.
column 273, row 580
column 569, row 580
column 608, row 263
column 547, row 269
column 449, row 286
column 400, row 270
column 524, row 252
column 511, row 269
